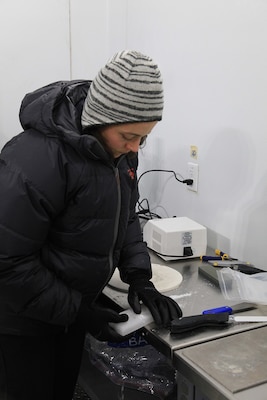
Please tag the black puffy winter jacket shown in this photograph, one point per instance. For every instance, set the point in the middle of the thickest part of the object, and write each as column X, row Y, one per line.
column 67, row 215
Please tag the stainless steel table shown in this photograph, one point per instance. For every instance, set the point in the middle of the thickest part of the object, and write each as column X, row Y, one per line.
column 195, row 294
column 229, row 368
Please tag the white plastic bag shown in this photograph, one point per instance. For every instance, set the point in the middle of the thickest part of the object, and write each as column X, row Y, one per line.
column 236, row 285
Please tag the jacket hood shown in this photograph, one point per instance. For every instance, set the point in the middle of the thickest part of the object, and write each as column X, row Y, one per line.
column 55, row 111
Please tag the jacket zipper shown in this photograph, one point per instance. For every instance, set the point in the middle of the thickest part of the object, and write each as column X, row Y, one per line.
column 116, row 225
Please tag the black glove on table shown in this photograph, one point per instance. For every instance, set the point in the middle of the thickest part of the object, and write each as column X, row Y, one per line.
column 95, row 320
column 163, row 309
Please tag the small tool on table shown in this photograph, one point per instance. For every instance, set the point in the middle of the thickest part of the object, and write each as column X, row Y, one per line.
column 236, row 308
column 222, row 259
column 185, row 324
column 219, row 255
column 223, row 255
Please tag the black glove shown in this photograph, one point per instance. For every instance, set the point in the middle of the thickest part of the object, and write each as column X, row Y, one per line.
column 95, row 320
column 163, row 309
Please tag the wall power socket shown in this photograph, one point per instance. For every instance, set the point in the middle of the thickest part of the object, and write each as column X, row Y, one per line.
column 192, row 173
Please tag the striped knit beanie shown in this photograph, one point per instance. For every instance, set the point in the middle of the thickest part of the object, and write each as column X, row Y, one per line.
column 128, row 89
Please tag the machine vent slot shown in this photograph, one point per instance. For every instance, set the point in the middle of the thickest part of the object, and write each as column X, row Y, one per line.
column 156, row 247
column 156, row 236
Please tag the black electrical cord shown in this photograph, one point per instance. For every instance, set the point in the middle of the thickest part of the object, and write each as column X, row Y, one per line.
column 168, row 255
column 189, row 182
column 146, row 213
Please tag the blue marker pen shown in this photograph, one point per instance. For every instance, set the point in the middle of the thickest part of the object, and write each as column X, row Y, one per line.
column 240, row 307
column 218, row 310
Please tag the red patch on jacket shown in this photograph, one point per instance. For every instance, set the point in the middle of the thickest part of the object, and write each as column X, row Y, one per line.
column 131, row 173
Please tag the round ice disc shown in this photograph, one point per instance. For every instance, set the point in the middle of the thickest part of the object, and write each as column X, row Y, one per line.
column 164, row 278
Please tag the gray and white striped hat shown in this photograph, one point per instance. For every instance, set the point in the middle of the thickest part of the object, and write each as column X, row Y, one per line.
column 128, row 89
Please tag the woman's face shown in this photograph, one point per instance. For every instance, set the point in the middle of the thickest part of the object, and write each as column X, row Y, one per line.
column 125, row 138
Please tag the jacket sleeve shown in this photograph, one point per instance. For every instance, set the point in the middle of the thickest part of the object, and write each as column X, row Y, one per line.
column 134, row 259
column 26, row 285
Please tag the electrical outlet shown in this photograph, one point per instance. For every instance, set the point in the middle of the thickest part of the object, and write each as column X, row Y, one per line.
column 192, row 173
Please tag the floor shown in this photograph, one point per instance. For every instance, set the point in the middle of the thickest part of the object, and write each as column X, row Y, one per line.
column 80, row 394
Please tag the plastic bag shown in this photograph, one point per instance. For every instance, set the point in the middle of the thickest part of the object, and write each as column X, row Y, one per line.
column 134, row 364
column 236, row 285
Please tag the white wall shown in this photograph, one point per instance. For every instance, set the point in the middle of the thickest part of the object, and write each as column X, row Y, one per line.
column 214, row 61
column 34, row 43
column 213, row 58
column 98, row 30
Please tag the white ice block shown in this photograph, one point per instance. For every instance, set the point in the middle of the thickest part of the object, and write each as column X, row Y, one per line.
column 135, row 321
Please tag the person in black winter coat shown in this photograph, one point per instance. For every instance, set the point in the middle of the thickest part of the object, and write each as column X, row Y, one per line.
column 68, row 193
